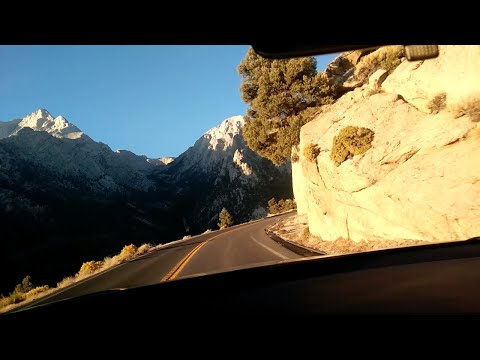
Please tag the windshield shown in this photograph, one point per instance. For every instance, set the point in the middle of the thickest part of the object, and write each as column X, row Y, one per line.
column 126, row 166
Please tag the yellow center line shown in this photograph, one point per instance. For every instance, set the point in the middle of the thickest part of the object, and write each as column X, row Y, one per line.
column 172, row 274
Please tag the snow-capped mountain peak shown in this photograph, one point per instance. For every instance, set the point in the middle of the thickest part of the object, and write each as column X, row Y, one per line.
column 220, row 170
column 221, row 137
column 37, row 120
column 42, row 120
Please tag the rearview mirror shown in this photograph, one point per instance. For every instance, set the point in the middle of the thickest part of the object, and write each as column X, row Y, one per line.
column 273, row 51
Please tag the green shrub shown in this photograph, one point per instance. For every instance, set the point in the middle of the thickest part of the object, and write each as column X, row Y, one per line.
column 18, row 294
column 25, row 286
column 225, row 219
column 282, row 205
column 272, row 206
column 311, row 151
column 350, row 141
column 438, row 103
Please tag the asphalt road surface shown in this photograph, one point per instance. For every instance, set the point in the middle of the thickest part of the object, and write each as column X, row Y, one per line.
column 232, row 248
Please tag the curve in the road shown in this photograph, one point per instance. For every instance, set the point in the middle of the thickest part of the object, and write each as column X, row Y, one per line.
column 244, row 246
column 236, row 247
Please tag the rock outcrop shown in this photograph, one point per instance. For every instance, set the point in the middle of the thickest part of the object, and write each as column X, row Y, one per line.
column 420, row 180
column 455, row 71
column 344, row 62
column 352, row 69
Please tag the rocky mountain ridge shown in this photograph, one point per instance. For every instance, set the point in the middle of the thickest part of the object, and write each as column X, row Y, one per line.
column 59, row 187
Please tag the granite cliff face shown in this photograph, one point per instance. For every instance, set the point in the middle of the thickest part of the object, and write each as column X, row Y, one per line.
column 218, row 171
column 420, row 180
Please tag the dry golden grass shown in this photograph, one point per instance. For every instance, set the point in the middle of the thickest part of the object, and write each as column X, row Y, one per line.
column 13, row 300
column 142, row 249
column 87, row 269
column 186, row 237
column 66, row 281
column 127, row 253
column 108, row 262
column 17, row 296
column 207, row 231
column 37, row 290
column 386, row 57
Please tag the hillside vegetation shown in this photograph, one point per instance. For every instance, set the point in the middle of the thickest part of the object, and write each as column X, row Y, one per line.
column 26, row 292
column 283, row 95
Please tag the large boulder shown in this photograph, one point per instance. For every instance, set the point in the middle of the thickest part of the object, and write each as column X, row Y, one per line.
column 419, row 180
column 456, row 72
column 353, row 69
column 342, row 70
column 344, row 62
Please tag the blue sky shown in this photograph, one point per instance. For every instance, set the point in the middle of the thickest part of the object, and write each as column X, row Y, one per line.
column 152, row 100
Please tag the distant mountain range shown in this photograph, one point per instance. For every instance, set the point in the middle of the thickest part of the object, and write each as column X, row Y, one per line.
column 219, row 170
column 65, row 198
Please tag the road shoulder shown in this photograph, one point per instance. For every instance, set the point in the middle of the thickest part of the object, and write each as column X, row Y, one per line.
column 293, row 230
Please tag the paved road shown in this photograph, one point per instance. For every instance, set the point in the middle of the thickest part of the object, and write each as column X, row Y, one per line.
column 222, row 250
